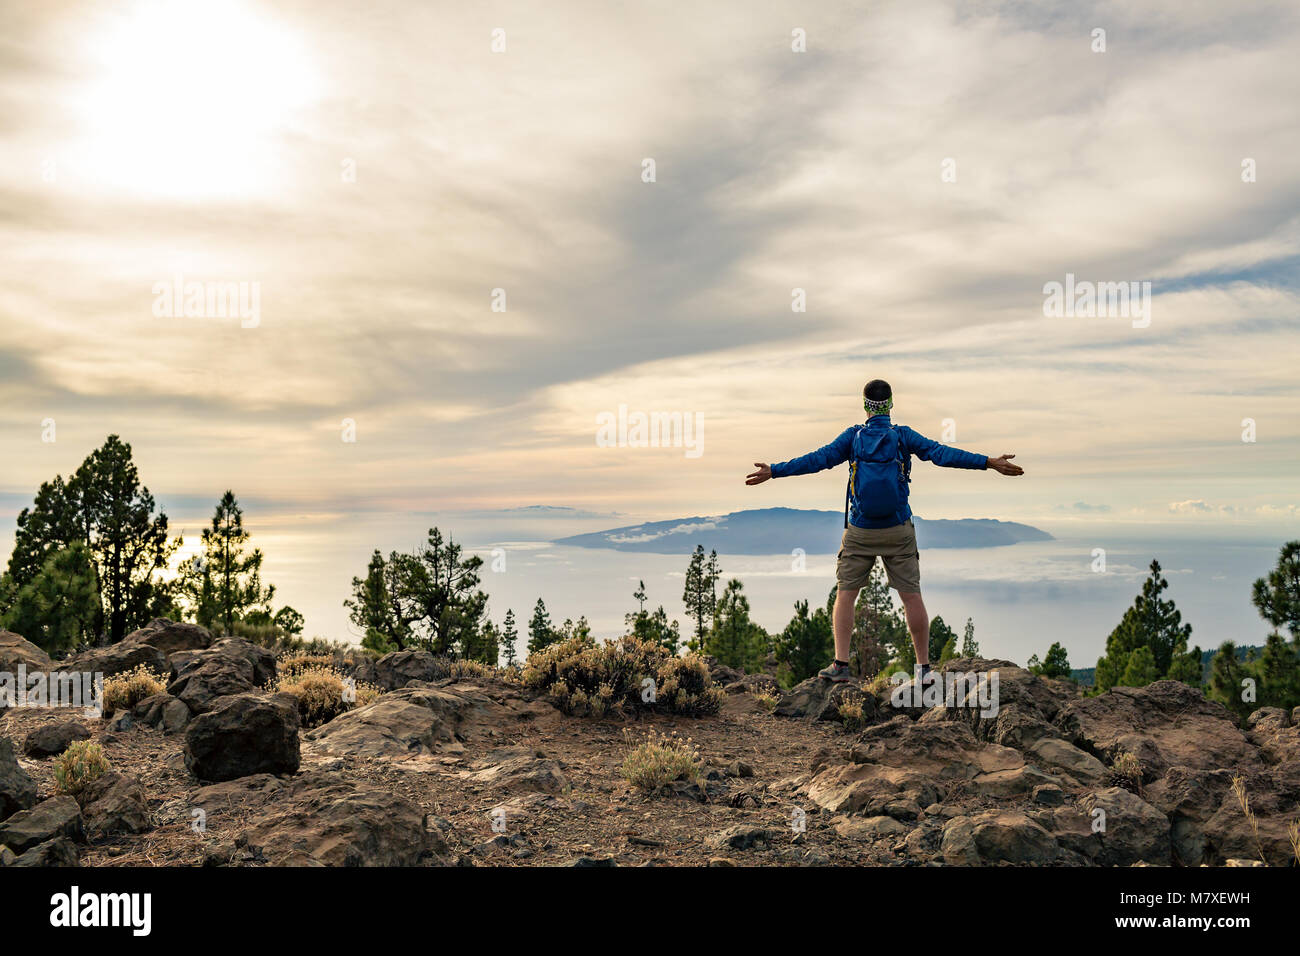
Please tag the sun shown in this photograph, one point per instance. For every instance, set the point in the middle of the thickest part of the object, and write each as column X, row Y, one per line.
column 191, row 99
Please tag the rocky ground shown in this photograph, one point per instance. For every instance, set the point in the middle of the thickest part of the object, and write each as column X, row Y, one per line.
column 217, row 771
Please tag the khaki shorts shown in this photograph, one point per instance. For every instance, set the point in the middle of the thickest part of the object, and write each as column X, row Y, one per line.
column 896, row 546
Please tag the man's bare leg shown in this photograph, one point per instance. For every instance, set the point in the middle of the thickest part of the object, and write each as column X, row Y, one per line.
column 918, row 624
column 842, row 621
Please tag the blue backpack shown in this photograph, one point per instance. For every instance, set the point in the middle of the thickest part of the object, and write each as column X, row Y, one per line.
column 879, row 471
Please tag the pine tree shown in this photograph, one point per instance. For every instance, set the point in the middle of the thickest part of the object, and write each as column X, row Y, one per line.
column 700, row 592
column 969, row 646
column 1277, row 597
column 540, row 632
column 104, row 506
column 735, row 640
column 1055, row 664
column 56, row 609
column 510, row 634
column 1279, row 673
column 940, row 635
column 806, row 643
column 663, row 632
column 1226, row 676
column 1151, row 624
column 224, row 582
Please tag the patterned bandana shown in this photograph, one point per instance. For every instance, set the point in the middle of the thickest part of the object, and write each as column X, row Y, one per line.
column 878, row 408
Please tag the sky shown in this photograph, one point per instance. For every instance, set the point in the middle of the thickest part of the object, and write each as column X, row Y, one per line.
column 443, row 216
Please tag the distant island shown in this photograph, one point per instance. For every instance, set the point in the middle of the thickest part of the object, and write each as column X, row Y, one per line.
column 781, row 530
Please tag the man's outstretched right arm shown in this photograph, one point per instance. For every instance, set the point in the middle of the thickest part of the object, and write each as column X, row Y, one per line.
column 828, row 456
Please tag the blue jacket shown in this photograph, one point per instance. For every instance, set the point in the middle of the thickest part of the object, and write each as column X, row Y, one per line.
column 913, row 443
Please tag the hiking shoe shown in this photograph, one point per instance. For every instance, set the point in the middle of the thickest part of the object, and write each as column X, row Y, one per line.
column 839, row 673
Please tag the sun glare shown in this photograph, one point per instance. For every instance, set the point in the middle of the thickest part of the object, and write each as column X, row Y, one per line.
column 189, row 99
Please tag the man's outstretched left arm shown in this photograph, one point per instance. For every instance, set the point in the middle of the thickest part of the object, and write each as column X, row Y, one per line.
column 945, row 456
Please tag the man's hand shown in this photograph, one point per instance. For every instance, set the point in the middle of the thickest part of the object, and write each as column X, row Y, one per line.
column 764, row 472
column 1002, row 465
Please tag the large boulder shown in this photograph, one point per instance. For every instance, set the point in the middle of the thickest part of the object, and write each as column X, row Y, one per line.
column 162, row 712
column 1014, row 709
column 1058, row 755
column 521, row 770
column 242, row 735
column 17, row 791
column 116, row 659
column 997, row 836
column 60, row 851
column 399, row 668
column 915, row 764
column 416, row 719
column 15, row 650
column 114, row 803
column 1165, row 724
column 50, row 740
column 230, row 666
column 320, row 820
column 817, row 699
column 55, row 817
column 1133, row 832
column 171, row 636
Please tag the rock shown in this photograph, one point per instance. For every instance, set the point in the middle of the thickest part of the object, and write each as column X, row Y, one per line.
column 753, row 684
column 399, row 668
column 594, row 861
column 115, row 803
column 739, row 837
column 162, row 712
column 1026, row 704
column 997, row 837
column 59, row 851
column 1276, row 735
column 55, row 817
column 1003, row 784
column 230, row 666
column 1165, row 724
column 914, row 761
column 7, row 856
column 523, row 771
column 1049, row 795
column 117, row 659
column 171, row 636
column 1059, row 755
column 175, row 716
column 242, row 735
column 49, row 740
column 17, row 791
column 721, row 861
column 817, row 699
column 722, row 674
column 1273, row 800
column 869, row 828
column 1134, row 830
column 15, row 650
column 322, row 820
column 361, row 668
column 417, row 719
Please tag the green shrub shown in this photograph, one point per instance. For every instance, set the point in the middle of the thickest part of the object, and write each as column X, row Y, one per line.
column 583, row 678
column 123, row 691
column 77, row 766
column 659, row 760
column 320, row 688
